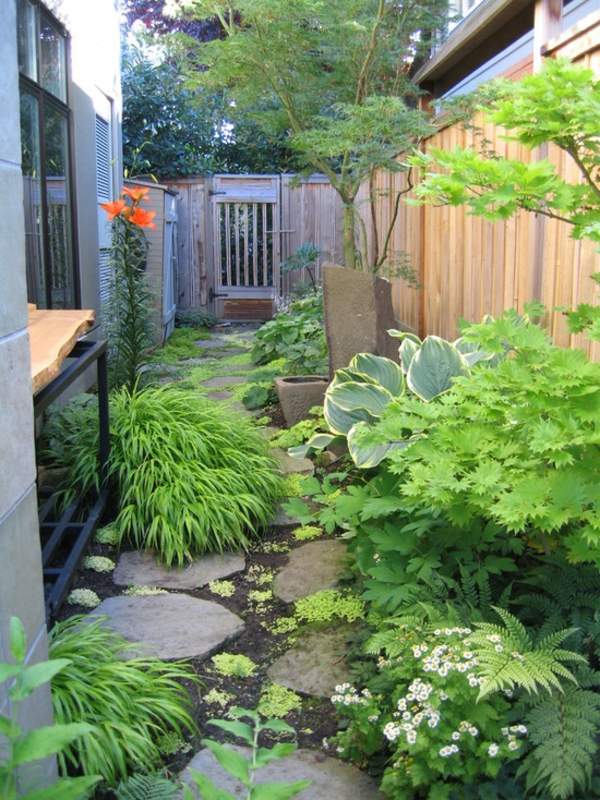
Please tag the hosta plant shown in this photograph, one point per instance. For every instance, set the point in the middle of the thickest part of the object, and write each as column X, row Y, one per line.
column 21, row 749
column 192, row 476
column 359, row 394
column 130, row 702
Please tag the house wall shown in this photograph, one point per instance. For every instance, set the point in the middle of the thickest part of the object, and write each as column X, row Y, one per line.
column 467, row 266
column 94, row 89
column 21, row 588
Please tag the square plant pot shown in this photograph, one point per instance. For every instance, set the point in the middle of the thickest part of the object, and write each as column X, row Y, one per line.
column 298, row 394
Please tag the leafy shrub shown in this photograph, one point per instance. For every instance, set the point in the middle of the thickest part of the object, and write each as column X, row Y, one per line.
column 515, row 444
column 194, row 318
column 327, row 605
column 237, row 665
column 192, row 476
column 301, row 432
column 296, row 335
column 277, row 701
column 20, row 748
column 131, row 703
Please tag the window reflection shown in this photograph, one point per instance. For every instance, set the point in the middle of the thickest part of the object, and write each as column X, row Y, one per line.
column 31, row 167
column 57, row 199
column 27, row 37
column 52, row 59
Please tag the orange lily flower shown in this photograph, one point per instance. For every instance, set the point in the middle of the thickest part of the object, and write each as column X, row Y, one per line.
column 142, row 218
column 114, row 208
column 135, row 194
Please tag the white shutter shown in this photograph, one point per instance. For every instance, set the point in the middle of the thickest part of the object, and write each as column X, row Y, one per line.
column 104, row 193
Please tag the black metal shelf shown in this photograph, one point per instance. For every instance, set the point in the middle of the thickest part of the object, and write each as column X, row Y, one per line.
column 65, row 536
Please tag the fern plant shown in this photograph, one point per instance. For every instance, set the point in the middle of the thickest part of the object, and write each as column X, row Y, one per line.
column 192, row 476
column 130, row 703
column 146, row 787
column 508, row 657
column 563, row 731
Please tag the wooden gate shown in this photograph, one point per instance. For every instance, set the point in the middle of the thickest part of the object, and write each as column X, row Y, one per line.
column 246, row 239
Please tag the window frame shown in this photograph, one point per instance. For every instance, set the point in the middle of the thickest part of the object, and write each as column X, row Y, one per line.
column 46, row 99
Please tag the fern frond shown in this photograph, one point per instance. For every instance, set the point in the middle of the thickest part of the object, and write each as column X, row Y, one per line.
column 508, row 658
column 146, row 787
column 563, row 730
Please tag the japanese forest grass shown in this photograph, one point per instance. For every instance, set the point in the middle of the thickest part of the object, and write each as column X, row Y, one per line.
column 192, row 475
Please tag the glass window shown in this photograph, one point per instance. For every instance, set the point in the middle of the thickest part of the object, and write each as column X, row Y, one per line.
column 45, row 158
column 52, row 59
column 59, row 208
column 27, row 38
column 32, row 198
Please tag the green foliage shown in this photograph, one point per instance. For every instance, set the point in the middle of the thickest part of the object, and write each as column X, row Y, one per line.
column 171, row 129
column 307, row 532
column 296, row 335
column 563, row 732
column 301, row 432
column 192, row 476
column 303, row 259
column 126, row 315
column 241, row 767
column 146, row 787
column 86, row 598
column 421, row 711
column 515, row 444
column 277, row 701
column 234, row 665
column 99, row 563
column 344, row 97
column 258, row 395
column 327, row 605
column 507, row 657
column 22, row 748
column 194, row 318
column 131, row 703
column 222, row 588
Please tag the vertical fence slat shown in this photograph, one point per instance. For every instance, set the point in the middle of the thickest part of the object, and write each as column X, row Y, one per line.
column 255, row 244
column 246, row 276
column 227, row 207
column 265, row 246
column 237, row 244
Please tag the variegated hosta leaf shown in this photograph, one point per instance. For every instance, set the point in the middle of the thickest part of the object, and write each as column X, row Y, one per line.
column 348, row 374
column 340, row 421
column 365, row 456
column 382, row 370
column 433, row 368
column 407, row 350
column 352, row 395
column 396, row 334
column 317, row 442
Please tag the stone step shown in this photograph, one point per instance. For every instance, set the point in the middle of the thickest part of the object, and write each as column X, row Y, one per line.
column 312, row 567
column 136, row 568
column 223, row 381
column 170, row 626
column 289, row 465
column 316, row 663
column 331, row 779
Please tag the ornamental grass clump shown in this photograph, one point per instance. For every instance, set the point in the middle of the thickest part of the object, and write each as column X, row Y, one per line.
column 131, row 703
column 192, row 476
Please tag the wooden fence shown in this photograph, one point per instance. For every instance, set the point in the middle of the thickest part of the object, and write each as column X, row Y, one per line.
column 307, row 211
column 468, row 267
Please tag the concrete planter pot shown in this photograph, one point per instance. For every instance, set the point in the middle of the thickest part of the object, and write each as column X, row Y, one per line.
column 358, row 313
column 298, row 394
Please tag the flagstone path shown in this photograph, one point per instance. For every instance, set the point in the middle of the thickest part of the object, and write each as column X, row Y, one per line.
column 176, row 625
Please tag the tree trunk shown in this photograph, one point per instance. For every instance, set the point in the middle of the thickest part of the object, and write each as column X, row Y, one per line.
column 349, row 242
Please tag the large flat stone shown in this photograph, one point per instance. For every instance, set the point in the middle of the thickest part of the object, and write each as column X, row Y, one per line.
column 290, row 465
column 310, row 568
column 315, row 665
column 226, row 380
column 142, row 569
column 170, row 626
column 331, row 779
column 220, row 395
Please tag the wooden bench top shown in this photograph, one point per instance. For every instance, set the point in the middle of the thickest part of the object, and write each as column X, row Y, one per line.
column 52, row 336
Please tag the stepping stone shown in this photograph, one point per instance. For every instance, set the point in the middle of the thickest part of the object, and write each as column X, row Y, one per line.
column 290, row 465
column 283, row 520
column 312, row 567
column 136, row 568
column 331, row 778
column 315, row 665
column 214, row 343
column 268, row 431
column 225, row 380
column 170, row 626
column 219, row 395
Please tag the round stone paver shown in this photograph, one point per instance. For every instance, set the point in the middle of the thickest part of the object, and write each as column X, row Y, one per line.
column 225, row 380
column 331, row 779
column 310, row 568
column 170, row 626
column 141, row 569
column 315, row 665
column 219, row 395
